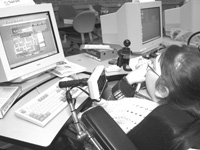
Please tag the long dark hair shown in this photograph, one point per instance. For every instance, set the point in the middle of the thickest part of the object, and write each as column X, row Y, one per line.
column 180, row 68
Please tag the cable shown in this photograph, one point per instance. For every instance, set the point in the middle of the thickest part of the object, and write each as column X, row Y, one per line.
column 30, row 90
column 189, row 39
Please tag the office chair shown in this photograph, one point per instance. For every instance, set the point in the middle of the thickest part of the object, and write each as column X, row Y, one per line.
column 83, row 24
column 66, row 12
column 98, row 8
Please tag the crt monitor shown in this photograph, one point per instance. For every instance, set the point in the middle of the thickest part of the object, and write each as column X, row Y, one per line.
column 140, row 22
column 185, row 17
column 29, row 41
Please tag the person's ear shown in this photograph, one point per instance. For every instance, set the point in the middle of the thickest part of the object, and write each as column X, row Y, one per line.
column 162, row 92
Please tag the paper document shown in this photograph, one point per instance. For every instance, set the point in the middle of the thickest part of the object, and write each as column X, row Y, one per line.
column 8, row 3
column 68, row 21
column 66, row 68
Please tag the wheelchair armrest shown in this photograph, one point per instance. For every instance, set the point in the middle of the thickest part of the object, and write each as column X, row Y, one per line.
column 106, row 131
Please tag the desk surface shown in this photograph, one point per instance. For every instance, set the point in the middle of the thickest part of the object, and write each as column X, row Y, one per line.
column 90, row 63
column 14, row 129
column 17, row 129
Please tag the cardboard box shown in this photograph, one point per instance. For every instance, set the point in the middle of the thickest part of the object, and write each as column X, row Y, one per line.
column 101, row 54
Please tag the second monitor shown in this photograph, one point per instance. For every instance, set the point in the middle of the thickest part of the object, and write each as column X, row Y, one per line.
column 185, row 17
column 141, row 23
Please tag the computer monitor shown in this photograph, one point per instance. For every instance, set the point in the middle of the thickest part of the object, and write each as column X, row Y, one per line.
column 29, row 41
column 185, row 17
column 140, row 22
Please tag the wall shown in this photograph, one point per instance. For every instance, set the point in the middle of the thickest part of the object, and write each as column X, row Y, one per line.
column 82, row 2
column 113, row 5
column 110, row 3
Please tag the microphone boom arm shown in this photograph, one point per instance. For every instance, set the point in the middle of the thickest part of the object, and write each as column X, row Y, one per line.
column 82, row 133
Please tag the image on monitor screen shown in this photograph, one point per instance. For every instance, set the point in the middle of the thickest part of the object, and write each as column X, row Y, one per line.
column 27, row 38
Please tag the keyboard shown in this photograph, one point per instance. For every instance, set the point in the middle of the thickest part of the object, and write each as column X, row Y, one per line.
column 43, row 108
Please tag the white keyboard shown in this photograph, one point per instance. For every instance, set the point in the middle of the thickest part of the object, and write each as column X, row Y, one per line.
column 43, row 108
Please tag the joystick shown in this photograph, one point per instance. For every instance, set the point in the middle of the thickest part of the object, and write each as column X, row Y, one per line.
column 124, row 56
column 127, row 43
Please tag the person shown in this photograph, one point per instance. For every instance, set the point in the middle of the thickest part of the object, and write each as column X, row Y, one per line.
column 174, row 83
column 183, row 2
column 126, row 87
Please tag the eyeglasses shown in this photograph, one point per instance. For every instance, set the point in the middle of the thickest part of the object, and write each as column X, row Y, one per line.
column 150, row 68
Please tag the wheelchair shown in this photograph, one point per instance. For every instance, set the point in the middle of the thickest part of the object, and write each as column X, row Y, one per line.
column 96, row 126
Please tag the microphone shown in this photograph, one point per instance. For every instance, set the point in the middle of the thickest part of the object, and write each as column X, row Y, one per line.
column 73, row 83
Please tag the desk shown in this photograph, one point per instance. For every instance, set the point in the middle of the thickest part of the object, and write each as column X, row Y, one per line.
column 24, row 133
column 61, row 25
column 69, row 27
column 19, row 131
column 90, row 63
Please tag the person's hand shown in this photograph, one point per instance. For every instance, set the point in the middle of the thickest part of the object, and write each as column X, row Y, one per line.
column 138, row 75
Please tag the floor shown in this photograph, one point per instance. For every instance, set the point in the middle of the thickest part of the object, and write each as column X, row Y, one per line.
column 8, row 146
column 61, row 144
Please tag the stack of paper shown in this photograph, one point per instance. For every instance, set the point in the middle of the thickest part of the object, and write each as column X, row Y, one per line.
column 8, row 95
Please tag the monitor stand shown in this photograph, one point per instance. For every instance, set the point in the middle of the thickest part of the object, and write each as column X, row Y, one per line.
column 34, row 82
column 32, row 75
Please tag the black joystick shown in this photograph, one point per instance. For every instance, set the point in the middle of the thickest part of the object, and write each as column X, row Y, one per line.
column 124, row 56
column 127, row 43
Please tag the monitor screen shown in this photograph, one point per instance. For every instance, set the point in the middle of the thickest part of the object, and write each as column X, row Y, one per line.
column 97, row 82
column 150, row 24
column 27, row 38
column 29, row 41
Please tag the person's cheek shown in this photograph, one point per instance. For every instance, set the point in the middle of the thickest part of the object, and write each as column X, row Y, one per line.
column 157, row 65
column 151, row 79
